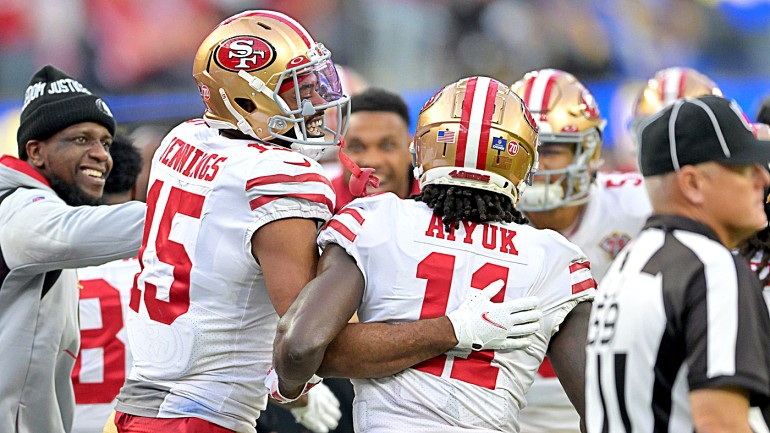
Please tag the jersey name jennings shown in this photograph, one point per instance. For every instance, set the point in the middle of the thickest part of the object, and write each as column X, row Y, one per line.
column 192, row 162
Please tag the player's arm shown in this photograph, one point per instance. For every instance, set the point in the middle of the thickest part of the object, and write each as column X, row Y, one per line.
column 720, row 410
column 315, row 333
column 47, row 234
column 369, row 350
column 567, row 353
column 287, row 253
column 306, row 335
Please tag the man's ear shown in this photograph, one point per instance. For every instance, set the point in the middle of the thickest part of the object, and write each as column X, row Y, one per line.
column 692, row 183
column 35, row 153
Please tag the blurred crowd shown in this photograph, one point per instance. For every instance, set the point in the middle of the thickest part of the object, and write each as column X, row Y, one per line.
column 135, row 46
column 125, row 48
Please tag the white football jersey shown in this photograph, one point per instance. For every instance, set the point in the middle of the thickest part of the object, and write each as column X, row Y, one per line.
column 415, row 269
column 200, row 321
column 616, row 213
column 104, row 360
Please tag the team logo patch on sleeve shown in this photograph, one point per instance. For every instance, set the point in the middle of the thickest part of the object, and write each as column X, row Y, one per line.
column 37, row 198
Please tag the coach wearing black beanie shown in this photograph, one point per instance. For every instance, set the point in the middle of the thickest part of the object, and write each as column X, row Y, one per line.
column 47, row 230
column 54, row 101
column 64, row 134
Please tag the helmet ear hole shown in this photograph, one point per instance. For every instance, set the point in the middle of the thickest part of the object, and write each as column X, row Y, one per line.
column 246, row 104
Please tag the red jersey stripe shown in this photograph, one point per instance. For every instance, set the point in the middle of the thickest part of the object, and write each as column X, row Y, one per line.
column 342, row 229
column 465, row 120
column 316, row 198
column 583, row 285
column 281, row 178
column 574, row 267
column 354, row 213
column 486, row 124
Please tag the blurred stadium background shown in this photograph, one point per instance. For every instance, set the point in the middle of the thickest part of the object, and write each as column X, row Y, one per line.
column 138, row 53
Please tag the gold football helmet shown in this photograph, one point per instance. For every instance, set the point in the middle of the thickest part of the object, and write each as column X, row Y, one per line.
column 667, row 86
column 565, row 112
column 476, row 133
column 246, row 70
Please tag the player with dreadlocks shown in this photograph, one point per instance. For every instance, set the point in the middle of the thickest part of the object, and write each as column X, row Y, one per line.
column 396, row 261
column 454, row 204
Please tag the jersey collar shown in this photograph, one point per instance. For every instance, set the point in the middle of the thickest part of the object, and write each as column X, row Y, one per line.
column 670, row 223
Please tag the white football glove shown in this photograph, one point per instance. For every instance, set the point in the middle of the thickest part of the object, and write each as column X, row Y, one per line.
column 271, row 382
column 322, row 412
column 480, row 324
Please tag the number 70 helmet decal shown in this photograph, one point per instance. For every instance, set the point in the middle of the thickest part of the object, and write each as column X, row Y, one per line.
column 476, row 133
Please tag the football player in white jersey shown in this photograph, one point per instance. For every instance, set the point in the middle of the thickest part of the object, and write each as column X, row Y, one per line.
column 401, row 260
column 230, row 228
column 233, row 209
column 600, row 212
column 104, row 359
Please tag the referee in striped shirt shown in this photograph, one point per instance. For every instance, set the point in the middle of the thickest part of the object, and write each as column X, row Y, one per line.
column 679, row 339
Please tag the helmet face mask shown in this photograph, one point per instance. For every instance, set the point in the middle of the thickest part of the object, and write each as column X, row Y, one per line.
column 476, row 133
column 261, row 73
column 566, row 114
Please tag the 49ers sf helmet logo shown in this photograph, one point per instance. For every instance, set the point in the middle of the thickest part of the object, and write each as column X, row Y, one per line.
column 244, row 53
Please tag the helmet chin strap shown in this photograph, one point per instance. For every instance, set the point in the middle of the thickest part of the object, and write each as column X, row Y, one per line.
column 256, row 84
column 242, row 124
column 359, row 177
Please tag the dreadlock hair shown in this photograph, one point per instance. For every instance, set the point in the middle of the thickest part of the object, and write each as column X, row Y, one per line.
column 455, row 203
column 758, row 244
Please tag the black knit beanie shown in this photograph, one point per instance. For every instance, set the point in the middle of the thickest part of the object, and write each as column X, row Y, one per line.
column 55, row 101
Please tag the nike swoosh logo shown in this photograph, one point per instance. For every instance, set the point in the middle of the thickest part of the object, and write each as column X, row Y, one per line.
column 490, row 321
column 304, row 163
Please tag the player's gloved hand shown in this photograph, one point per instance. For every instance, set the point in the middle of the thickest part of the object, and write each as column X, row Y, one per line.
column 481, row 324
column 322, row 412
column 271, row 382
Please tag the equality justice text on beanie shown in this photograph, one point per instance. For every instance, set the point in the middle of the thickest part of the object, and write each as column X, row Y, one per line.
column 55, row 101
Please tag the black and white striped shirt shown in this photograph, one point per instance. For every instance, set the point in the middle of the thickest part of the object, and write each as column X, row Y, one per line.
column 676, row 312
